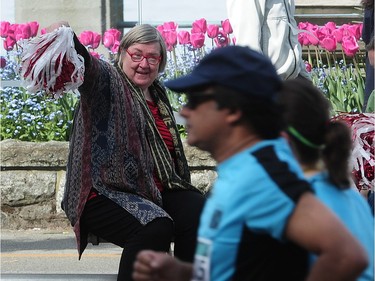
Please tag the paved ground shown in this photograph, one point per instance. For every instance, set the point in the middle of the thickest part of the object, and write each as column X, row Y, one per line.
column 54, row 252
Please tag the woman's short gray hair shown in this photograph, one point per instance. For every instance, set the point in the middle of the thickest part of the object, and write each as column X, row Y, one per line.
column 143, row 34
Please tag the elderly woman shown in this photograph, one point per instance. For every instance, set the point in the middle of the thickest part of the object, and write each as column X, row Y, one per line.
column 128, row 180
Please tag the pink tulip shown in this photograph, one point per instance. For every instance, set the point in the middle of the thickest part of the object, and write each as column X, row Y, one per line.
column 311, row 36
column 330, row 25
column 323, row 32
column 23, row 31
column 170, row 25
column 350, row 45
column 34, row 26
column 170, row 38
column 183, row 37
column 108, row 40
column 12, row 28
column 212, row 30
column 115, row 47
column 43, row 31
column 222, row 39
column 199, row 26
column 227, row 27
column 110, row 37
column 302, row 25
column 86, row 38
column 328, row 43
column 160, row 28
column 115, row 33
column 355, row 30
column 338, row 33
column 12, row 31
column 352, row 29
column 9, row 43
column 95, row 54
column 308, row 66
column 197, row 40
column 169, row 48
column 303, row 40
column 96, row 40
column 4, row 26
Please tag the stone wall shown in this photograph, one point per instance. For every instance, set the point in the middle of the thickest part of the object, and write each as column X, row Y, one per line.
column 32, row 181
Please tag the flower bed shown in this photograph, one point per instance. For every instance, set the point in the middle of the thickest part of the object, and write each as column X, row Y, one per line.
column 333, row 58
column 37, row 118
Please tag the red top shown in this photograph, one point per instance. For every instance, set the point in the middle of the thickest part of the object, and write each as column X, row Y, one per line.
column 165, row 134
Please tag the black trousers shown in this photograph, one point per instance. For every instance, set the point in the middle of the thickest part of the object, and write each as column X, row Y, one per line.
column 111, row 222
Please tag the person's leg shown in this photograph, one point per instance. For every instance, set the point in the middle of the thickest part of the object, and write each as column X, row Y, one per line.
column 369, row 82
column 106, row 219
column 185, row 208
column 156, row 235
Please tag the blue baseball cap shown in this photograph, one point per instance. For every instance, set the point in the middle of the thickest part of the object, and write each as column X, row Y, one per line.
column 235, row 67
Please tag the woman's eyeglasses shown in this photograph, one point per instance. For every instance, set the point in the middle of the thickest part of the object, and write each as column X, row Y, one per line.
column 194, row 100
column 138, row 58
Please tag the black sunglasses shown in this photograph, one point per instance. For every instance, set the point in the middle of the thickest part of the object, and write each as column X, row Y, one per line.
column 195, row 99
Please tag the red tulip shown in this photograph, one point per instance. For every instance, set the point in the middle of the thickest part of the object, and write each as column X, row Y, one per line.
column 3, row 62
column 308, row 66
column 350, row 45
column 23, row 31
column 34, row 26
column 199, row 26
column 183, row 37
column 9, row 43
column 4, row 26
column 197, row 40
column 212, row 30
column 329, row 43
column 227, row 27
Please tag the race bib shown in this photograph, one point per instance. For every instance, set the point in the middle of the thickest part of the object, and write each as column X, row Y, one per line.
column 202, row 260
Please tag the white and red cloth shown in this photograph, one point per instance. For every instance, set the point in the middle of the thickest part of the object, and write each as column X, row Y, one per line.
column 363, row 155
column 51, row 63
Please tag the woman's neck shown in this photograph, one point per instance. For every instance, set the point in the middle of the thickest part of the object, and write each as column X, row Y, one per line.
column 310, row 170
column 147, row 94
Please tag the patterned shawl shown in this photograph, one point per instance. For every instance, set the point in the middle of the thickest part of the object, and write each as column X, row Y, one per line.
column 116, row 147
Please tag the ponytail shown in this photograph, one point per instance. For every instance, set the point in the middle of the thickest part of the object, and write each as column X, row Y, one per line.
column 336, row 153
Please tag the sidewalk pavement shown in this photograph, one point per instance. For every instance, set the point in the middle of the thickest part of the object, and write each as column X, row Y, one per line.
column 52, row 255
